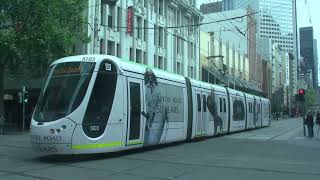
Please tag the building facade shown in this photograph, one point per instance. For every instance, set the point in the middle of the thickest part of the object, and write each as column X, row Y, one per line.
column 158, row 33
column 222, row 64
column 237, row 35
column 213, row 7
column 316, row 63
column 307, row 53
column 277, row 20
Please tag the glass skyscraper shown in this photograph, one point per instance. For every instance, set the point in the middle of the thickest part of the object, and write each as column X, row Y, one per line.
column 275, row 20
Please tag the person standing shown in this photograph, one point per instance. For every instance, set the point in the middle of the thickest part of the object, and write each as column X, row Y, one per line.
column 309, row 123
column 318, row 125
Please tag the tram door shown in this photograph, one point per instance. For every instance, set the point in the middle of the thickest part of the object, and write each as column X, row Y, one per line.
column 223, row 112
column 202, row 114
column 135, row 107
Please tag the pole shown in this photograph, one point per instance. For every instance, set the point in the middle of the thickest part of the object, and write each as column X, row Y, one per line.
column 288, row 111
column 23, row 107
column 96, row 28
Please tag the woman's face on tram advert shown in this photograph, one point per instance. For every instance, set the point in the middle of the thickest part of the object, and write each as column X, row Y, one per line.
column 150, row 80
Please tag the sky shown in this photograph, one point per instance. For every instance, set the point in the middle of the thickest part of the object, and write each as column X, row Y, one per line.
column 307, row 16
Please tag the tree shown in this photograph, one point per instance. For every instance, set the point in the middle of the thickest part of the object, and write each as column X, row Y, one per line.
column 310, row 99
column 33, row 33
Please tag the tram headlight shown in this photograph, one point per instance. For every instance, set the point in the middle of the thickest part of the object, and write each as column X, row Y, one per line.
column 51, row 131
column 64, row 127
column 58, row 130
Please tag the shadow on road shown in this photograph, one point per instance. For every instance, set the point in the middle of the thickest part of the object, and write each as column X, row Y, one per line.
column 100, row 156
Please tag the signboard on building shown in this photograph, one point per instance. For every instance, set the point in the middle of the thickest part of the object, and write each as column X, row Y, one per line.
column 130, row 20
column 287, row 83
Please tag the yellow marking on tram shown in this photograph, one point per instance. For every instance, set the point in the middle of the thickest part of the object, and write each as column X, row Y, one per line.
column 95, row 146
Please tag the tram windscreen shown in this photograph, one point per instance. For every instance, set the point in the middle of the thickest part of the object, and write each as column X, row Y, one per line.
column 64, row 90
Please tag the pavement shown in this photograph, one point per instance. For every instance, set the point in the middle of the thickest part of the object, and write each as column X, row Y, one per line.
column 277, row 152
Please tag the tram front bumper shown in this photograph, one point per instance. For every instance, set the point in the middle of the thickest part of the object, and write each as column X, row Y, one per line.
column 52, row 137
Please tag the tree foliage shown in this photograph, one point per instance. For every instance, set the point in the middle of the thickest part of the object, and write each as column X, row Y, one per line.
column 33, row 32
column 310, row 99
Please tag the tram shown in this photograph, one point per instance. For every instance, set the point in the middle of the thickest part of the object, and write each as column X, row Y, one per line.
column 100, row 103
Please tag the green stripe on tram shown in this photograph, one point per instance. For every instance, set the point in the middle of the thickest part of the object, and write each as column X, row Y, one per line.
column 95, row 146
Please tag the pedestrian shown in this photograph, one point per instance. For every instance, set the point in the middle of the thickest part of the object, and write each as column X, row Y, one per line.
column 277, row 115
column 309, row 123
column 318, row 125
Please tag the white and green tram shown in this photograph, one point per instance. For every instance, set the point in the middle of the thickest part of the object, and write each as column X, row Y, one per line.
column 99, row 103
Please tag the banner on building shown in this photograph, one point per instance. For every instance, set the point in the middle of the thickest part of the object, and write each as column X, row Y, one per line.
column 287, row 83
column 130, row 20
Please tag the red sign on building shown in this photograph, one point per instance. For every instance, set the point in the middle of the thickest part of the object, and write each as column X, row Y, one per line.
column 129, row 20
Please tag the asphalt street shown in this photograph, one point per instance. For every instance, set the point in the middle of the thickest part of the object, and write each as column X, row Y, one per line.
column 277, row 152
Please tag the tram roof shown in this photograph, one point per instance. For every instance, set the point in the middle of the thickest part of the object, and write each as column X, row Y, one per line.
column 122, row 64
column 141, row 69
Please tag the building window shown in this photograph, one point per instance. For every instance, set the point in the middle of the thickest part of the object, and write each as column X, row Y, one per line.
column 191, row 50
column 110, row 16
column 155, row 63
column 145, row 60
column 119, row 19
column 160, row 62
column 102, row 46
column 103, row 14
column 145, row 3
column 161, row 7
column 131, row 54
column 178, row 18
column 111, row 48
column 155, row 34
column 178, row 68
column 191, row 27
column 145, row 34
column 178, row 41
column 161, row 37
column 139, row 27
column 191, row 73
column 139, row 56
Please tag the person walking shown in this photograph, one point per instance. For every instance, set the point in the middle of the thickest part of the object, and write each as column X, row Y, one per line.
column 309, row 123
column 317, row 125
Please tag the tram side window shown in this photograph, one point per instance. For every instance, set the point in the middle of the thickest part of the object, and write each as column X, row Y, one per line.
column 135, row 112
column 224, row 105
column 204, row 103
column 199, row 102
column 220, row 99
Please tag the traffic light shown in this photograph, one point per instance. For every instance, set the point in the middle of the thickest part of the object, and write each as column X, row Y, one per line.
column 301, row 92
column 26, row 97
column 300, row 95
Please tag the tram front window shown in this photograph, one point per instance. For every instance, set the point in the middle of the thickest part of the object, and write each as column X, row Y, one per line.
column 64, row 90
